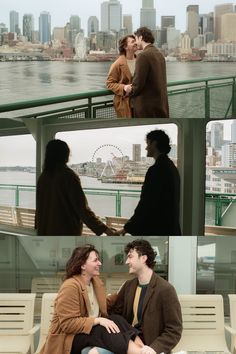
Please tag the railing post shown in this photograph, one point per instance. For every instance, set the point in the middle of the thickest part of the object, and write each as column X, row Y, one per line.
column 207, row 101
column 17, row 197
column 218, row 212
column 90, row 107
column 118, row 203
column 234, row 98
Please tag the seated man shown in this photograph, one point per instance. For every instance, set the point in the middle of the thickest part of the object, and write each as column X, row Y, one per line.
column 149, row 302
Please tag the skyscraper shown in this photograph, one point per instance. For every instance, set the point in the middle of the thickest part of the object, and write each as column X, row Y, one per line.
column 148, row 14
column 136, row 152
column 93, row 25
column 44, row 27
column 111, row 16
column 192, row 21
column 166, row 22
column 14, row 22
column 217, row 131
column 28, row 26
column 233, row 132
column 127, row 23
column 228, row 27
column 75, row 23
column 219, row 11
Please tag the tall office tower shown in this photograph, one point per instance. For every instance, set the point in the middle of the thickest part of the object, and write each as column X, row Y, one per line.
column 233, row 132
column 166, row 22
column 136, row 152
column 192, row 20
column 217, row 131
column 219, row 11
column 228, row 27
column 75, row 23
column 111, row 16
column 229, row 155
column 173, row 38
column 127, row 23
column 148, row 14
column 28, row 26
column 44, row 27
column 93, row 25
column 206, row 23
column 14, row 22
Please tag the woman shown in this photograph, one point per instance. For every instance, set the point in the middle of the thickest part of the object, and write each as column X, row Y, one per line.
column 120, row 76
column 80, row 312
column 61, row 205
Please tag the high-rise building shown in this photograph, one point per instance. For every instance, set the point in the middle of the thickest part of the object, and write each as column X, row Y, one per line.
column 173, row 38
column 217, row 131
column 58, row 34
column 111, row 16
column 219, row 11
column 192, row 21
column 75, row 23
column 14, row 22
column 166, row 22
column 28, row 26
column 228, row 27
column 136, row 152
column 233, row 132
column 148, row 14
column 127, row 23
column 93, row 25
column 44, row 27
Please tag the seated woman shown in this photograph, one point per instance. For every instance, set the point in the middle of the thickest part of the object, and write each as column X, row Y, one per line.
column 80, row 317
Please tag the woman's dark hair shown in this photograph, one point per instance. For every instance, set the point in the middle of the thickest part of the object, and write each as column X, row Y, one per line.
column 57, row 154
column 143, row 248
column 162, row 140
column 146, row 33
column 123, row 43
column 77, row 260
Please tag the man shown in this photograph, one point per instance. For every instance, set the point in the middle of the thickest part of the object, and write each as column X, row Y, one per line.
column 149, row 88
column 157, row 212
column 149, row 302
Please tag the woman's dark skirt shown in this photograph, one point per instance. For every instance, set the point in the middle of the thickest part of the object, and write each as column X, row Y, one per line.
column 99, row 337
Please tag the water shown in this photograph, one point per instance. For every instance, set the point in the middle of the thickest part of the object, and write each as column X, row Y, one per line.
column 20, row 81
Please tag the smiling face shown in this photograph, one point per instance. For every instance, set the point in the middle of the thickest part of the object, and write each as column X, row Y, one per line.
column 92, row 265
column 131, row 45
column 135, row 262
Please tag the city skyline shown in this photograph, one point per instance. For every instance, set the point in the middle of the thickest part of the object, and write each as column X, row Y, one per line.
column 60, row 15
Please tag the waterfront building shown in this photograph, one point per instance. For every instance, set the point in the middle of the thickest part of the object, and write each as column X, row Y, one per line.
column 229, row 155
column 111, row 16
column 219, row 11
column 185, row 44
column 75, row 23
column 106, row 41
column 127, row 23
column 221, row 50
column 192, row 21
column 93, row 25
column 3, row 28
column 44, row 27
column 28, row 26
column 148, row 14
column 228, row 27
column 233, row 132
column 199, row 41
column 14, row 22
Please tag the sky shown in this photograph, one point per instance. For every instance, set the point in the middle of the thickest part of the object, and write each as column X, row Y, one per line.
column 61, row 10
column 20, row 150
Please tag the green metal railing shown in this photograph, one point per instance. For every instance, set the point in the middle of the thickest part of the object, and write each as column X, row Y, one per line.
column 216, row 204
column 198, row 98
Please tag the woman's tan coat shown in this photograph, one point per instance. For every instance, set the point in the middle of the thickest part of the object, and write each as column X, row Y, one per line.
column 119, row 75
column 71, row 314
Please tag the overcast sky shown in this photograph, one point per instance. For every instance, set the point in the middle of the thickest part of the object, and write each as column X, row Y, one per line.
column 61, row 10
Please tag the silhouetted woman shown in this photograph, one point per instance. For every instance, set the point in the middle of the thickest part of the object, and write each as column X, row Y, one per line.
column 61, row 205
